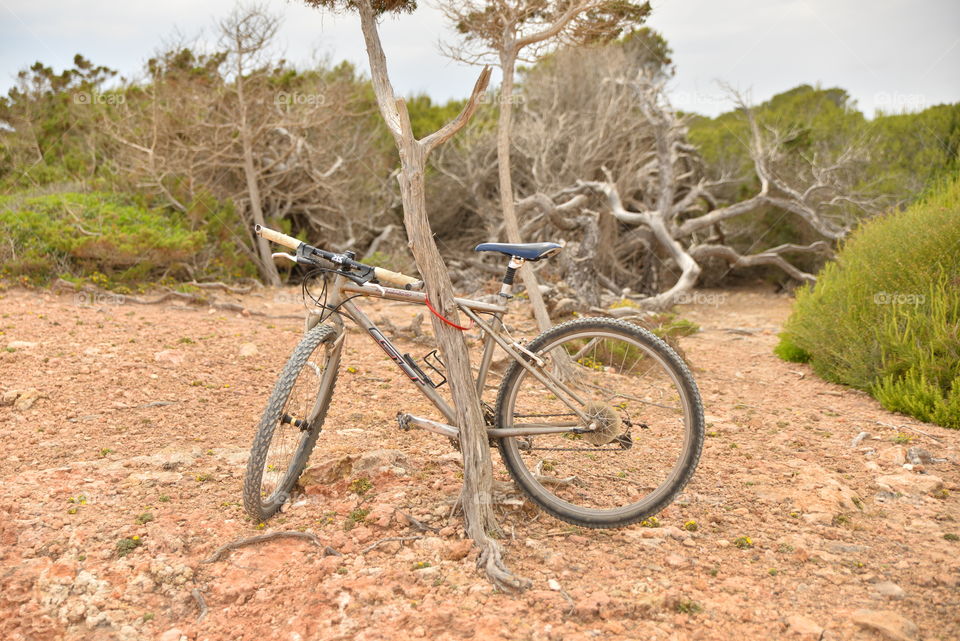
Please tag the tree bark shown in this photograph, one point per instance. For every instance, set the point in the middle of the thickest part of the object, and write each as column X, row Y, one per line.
column 476, row 495
column 508, row 61
column 267, row 267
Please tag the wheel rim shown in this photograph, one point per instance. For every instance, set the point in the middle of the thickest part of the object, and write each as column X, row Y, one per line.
column 631, row 391
column 290, row 436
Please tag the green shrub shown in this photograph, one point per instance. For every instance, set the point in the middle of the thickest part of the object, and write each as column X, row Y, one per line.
column 82, row 233
column 885, row 317
column 788, row 350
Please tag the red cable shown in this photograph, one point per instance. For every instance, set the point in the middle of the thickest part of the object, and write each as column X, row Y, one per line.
column 446, row 320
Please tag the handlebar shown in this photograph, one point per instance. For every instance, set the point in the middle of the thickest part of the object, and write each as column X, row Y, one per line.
column 344, row 261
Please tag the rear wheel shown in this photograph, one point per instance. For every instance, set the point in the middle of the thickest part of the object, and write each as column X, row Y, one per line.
column 291, row 423
column 640, row 412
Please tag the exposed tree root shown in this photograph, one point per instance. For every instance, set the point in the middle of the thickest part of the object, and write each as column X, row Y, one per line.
column 490, row 561
column 253, row 540
column 201, row 603
column 377, row 544
column 191, row 299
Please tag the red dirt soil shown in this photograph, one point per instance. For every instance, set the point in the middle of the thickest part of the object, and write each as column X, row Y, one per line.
column 144, row 419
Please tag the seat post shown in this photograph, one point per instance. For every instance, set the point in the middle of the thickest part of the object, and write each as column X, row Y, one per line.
column 506, row 288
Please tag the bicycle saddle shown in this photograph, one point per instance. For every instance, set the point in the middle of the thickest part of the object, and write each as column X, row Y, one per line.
column 527, row 251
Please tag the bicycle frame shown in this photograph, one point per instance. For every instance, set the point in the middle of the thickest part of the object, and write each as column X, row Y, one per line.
column 341, row 296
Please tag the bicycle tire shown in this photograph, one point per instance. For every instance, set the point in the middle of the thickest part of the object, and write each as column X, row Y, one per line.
column 674, row 371
column 261, row 507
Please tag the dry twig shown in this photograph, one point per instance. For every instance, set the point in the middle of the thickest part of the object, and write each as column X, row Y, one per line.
column 262, row 538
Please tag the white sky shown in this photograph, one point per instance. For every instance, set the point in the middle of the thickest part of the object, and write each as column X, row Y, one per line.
column 891, row 54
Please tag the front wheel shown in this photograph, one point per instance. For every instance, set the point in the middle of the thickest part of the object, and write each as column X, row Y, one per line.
column 291, row 422
column 637, row 411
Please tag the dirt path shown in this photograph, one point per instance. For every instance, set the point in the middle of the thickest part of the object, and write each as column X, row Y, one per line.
column 144, row 416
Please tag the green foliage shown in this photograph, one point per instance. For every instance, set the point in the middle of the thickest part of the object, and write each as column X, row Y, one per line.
column 127, row 545
column 95, row 232
column 427, row 117
column 788, row 351
column 885, row 317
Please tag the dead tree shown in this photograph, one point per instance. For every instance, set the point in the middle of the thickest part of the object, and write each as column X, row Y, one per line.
column 685, row 220
column 237, row 124
column 524, row 29
column 478, row 473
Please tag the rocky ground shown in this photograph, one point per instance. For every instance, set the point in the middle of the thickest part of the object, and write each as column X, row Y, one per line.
column 814, row 513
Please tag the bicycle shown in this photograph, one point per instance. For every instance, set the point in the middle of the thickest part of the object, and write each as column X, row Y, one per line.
column 597, row 420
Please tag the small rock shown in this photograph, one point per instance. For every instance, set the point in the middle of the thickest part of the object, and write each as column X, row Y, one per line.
column 888, row 623
column 554, row 585
column 168, row 356
column 803, row 627
column 374, row 460
column 10, row 396
column 173, row 634
column 20, row 345
column 858, row 438
column 26, row 400
column 456, row 550
column 565, row 306
column 676, row 561
column 248, row 349
column 919, row 456
column 889, row 589
column 895, row 455
column 673, row 532
column 908, row 483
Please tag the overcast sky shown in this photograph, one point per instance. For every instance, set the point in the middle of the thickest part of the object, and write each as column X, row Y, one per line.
column 890, row 54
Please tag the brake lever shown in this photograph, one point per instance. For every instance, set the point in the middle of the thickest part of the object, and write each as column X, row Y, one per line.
column 289, row 257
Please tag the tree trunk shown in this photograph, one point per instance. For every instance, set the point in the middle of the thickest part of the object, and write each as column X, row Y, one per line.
column 477, row 466
column 508, row 61
column 267, row 266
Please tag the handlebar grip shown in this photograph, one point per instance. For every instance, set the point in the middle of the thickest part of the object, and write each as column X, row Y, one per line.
column 394, row 278
column 277, row 237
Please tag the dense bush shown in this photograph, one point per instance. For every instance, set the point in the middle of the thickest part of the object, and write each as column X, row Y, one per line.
column 885, row 317
column 76, row 233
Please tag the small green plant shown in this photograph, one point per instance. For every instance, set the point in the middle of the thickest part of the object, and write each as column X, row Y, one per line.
column 902, row 439
column 651, row 522
column 691, row 526
column 950, row 536
column 104, row 451
column 149, row 616
column 146, row 517
column 841, row 519
column 687, row 606
column 186, row 340
column 164, row 498
column 361, row 485
column 128, row 544
column 773, row 571
column 419, row 565
column 743, row 542
column 359, row 515
column 202, row 478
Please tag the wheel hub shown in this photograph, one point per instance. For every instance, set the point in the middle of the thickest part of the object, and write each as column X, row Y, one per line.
column 605, row 420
